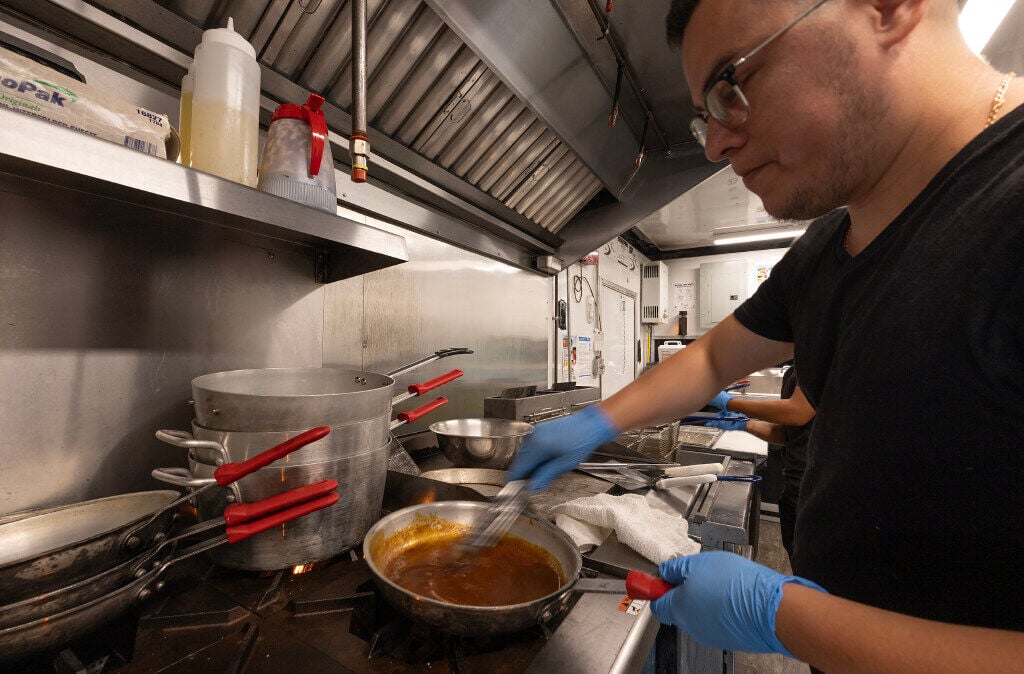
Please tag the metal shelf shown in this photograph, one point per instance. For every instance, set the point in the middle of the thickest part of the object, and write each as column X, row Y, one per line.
column 41, row 158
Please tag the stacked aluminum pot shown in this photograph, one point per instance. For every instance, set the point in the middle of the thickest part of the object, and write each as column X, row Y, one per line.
column 242, row 412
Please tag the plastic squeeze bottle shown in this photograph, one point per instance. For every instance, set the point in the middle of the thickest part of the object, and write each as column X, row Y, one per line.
column 185, row 117
column 225, row 106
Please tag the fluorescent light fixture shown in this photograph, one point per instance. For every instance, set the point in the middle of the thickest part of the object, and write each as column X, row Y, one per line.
column 980, row 19
column 766, row 236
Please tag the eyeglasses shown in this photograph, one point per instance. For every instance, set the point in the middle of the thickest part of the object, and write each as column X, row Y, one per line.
column 723, row 97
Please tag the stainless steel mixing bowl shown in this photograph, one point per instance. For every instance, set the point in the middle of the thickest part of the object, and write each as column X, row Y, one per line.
column 480, row 443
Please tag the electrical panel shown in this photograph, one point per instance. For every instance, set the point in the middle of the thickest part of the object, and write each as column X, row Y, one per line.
column 723, row 287
column 654, row 293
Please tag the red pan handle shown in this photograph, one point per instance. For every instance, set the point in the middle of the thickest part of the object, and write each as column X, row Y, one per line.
column 413, row 415
column 240, row 532
column 420, row 389
column 236, row 513
column 640, row 585
column 231, row 472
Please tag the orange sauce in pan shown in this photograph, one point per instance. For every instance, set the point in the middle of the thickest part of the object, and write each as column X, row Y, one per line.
column 422, row 558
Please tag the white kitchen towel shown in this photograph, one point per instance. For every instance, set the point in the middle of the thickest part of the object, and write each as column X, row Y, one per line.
column 655, row 534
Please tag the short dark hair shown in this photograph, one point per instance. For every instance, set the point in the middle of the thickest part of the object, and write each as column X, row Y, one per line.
column 678, row 18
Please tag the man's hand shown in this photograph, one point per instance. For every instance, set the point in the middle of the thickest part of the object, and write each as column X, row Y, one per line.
column 724, row 601
column 729, row 421
column 558, row 446
column 721, row 401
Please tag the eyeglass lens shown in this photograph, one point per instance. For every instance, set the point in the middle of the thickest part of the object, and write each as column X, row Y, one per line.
column 727, row 104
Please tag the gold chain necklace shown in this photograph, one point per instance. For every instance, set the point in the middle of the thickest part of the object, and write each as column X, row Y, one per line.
column 997, row 103
column 999, row 98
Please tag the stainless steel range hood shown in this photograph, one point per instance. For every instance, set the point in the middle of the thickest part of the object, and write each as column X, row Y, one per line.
column 489, row 114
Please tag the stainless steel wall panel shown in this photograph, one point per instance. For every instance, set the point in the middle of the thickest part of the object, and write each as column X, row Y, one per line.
column 494, row 141
column 446, row 297
column 394, row 75
column 418, row 83
column 469, row 138
column 343, row 324
column 384, row 33
column 109, row 311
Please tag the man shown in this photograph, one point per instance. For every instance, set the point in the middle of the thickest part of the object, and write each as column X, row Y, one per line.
column 786, row 423
column 904, row 313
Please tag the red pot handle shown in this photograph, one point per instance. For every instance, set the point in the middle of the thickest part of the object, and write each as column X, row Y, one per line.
column 640, row 585
column 413, row 415
column 236, row 513
column 230, row 472
column 420, row 389
column 240, row 532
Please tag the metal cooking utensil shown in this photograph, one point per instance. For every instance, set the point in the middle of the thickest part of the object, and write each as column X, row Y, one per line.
column 489, row 529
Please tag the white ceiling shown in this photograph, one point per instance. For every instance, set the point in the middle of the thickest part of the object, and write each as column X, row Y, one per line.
column 722, row 205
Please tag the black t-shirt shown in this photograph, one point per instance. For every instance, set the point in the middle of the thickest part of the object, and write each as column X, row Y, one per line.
column 794, row 453
column 912, row 354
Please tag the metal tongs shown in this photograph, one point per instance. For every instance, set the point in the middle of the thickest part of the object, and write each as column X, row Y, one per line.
column 488, row 530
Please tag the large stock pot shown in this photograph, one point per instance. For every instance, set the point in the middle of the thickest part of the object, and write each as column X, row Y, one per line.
column 360, row 472
column 319, row 536
column 283, row 399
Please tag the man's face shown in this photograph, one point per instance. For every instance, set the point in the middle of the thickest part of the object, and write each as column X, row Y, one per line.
column 812, row 127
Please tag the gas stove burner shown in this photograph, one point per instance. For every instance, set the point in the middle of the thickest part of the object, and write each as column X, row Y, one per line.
column 393, row 635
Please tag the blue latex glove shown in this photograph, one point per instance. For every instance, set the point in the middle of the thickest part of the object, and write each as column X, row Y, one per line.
column 724, row 601
column 558, row 446
column 721, row 401
column 729, row 421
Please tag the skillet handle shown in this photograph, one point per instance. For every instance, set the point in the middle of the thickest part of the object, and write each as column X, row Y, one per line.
column 237, row 513
column 240, row 532
column 231, row 472
column 420, row 389
column 640, row 585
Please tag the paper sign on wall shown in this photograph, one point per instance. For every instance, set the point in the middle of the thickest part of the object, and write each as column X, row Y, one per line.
column 683, row 296
column 582, row 357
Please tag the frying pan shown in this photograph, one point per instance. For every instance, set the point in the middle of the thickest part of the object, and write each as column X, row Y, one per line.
column 391, row 536
column 44, row 552
column 21, row 640
column 65, row 598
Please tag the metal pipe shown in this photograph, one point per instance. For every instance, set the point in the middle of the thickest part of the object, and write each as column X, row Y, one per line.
column 609, row 36
column 359, row 143
column 614, row 115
